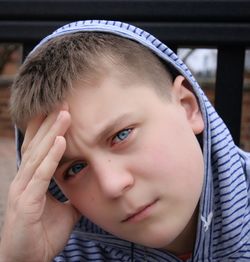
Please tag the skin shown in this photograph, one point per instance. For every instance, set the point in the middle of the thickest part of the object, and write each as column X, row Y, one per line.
column 132, row 151
column 122, row 154
column 31, row 212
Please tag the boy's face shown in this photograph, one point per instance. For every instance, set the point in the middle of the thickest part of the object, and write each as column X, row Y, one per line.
column 133, row 164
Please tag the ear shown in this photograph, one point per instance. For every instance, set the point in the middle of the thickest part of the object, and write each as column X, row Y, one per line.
column 187, row 99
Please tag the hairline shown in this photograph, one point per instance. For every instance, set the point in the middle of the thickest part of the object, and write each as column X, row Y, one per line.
column 106, row 55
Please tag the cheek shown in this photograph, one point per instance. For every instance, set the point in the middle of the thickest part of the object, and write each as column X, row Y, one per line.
column 151, row 162
column 81, row 198
column 176, row 161
column 89, row 202
column 79, row 195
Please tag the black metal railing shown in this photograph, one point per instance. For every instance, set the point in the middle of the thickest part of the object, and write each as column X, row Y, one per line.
column 221, row 24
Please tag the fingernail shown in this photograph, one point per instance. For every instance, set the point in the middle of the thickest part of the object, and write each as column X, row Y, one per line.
column 57, row 140
column 59, row 115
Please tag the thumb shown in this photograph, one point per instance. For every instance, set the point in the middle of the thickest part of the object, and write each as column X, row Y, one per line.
column 73, row 211
column 59, row 210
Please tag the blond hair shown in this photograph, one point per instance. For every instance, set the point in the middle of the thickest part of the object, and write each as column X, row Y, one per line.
column 50, row 71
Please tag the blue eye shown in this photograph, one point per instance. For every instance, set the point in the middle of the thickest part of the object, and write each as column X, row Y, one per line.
column 122, row 135
column 75, row 169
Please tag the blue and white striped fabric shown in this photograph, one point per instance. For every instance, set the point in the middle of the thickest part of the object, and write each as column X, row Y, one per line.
column 223, row 231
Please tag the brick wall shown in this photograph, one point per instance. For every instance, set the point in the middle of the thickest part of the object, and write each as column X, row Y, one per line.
column 6, row 126
column 245, row 121
column 7, row 73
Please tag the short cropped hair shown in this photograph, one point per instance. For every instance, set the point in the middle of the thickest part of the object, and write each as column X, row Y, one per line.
column 49, row 72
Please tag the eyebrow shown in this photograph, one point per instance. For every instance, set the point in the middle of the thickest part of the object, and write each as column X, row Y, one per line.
column 111, row 126
column 63, row 160
column 107, row 129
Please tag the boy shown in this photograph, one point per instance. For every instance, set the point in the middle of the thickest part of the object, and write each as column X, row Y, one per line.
column 119, row 124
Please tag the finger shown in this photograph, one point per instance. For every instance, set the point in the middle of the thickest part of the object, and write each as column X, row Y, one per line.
column 69, row 210
column 39, row 126
column 31, row 130
column 76, row 215
column 61, row 214
column 39, row 183
column 39, row 148
column 34, row 157
column 37, row 129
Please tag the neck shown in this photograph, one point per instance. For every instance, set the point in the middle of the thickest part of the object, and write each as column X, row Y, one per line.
column 185, row 242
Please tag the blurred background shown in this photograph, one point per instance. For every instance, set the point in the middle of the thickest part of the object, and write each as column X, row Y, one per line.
column 202, row 63
column 10, row 59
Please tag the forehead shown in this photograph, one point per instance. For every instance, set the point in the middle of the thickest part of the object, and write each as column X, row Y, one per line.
column 111, row 84
column 105, row 96
column 96, row 104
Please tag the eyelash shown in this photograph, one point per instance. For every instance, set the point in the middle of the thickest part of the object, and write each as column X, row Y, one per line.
column 128, row 130
column 67, row 174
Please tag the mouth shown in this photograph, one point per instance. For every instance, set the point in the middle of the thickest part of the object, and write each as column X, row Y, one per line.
column 141, row 213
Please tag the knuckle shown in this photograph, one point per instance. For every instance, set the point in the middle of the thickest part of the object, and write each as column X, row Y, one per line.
column 26, row 148
column 32, row 160
column 38, row 176
column 23, row 148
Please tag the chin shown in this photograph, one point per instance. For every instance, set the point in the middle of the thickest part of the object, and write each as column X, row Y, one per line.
column 155, row 241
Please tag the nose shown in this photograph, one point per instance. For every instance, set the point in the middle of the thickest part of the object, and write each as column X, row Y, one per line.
column 113, row 178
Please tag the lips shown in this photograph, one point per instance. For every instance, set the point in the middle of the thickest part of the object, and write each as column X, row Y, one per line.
column 140, row 214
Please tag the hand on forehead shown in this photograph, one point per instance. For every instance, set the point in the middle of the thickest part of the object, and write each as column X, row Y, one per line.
column 34, row 124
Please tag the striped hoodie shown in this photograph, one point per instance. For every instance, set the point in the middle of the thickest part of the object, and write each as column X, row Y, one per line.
column 223, row 229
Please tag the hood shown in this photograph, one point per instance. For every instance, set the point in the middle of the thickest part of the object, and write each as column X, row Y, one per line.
column 223, row 228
